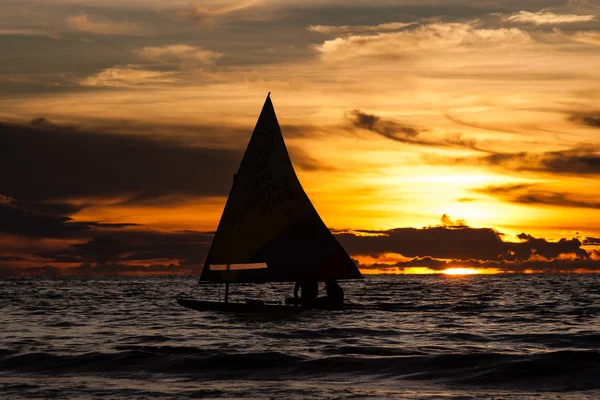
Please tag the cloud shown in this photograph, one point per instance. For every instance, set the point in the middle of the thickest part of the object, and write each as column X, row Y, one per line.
column 137, row 246
column 456, row 242
column 61, row 164
column 591, row 241
column 580, row 161
column 83, row 23
column 584, row 160
column 405, row 133
column 588, row 37
column 129, row 76
column 447, row 221
column 176, row 53
column 590, row 119
column 423, row 39
column 46, row 270
column 42, row 122
column 106, row 269
column 387, row 128
column 548, row 266
column 427, row 262
column 390, row 26
column 548, row 18
column 484, row 126
column 529, row 194
column 13, row 258
column 102, row 248
column 17, row 220
column 125, row 269
column 221, row 9
column 27, row 32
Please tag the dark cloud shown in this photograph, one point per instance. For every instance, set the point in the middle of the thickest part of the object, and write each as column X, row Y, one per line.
column 452, row 242
column 485, row 127
column 458, row 140
column 577, row 161
column 103, row 249
column 17, row 220
column 504, row 189
column 45, row 164
column 518, row 266
column 427, row 262
column 438, row 242
column 106, row 269
column 389, row 129
column 126, row 269
column 41, row 122
column 407, row 134
column 591, row 241
column 13, row 258
column 590, row 119
column 187, row 247
column 549, row 250
column 50, row 164
column 110, row 243
column 550, row 266
column 46, row 270
column 530, row 194
column 132, row 250
column 55, row 207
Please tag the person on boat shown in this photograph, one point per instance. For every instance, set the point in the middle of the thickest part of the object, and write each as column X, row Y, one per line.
column 305, row 293
column 335, row 296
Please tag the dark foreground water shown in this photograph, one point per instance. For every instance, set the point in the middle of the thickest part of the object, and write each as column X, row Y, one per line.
column 482, row 337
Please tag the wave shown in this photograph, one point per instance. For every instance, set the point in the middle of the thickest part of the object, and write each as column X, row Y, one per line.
column 560, row 370
column 580, row 340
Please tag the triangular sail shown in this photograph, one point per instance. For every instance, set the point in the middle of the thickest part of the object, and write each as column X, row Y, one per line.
column 268, row 218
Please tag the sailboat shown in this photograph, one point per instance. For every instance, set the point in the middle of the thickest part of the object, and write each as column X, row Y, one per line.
column 269, row 230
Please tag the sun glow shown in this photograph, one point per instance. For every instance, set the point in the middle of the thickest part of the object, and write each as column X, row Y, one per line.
column 460, row 271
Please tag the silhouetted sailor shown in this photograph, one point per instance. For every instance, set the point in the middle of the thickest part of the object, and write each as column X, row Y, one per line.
column 335, row 296
column 335, row 293
column 308, row 293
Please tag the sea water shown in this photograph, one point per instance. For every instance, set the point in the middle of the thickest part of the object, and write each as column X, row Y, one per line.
column 469, row 337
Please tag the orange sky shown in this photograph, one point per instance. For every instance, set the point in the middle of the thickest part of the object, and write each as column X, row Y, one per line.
column 129, row 118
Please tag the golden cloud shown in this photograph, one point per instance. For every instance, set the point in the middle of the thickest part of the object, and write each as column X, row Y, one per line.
column 548, row 18
column 391, row 26
column 83, row 23
column 439, row 36
column 128, row 76
column 179, row 53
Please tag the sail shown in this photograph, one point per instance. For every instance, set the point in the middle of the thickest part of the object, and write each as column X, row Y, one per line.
column 269, row 219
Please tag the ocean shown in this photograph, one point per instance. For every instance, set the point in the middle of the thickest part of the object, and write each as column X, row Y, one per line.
column 451, row 337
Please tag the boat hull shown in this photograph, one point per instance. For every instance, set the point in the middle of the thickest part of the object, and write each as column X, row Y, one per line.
column 258, row 307
column 249, row 307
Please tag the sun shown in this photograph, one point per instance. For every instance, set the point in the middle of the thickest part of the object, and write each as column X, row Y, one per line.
column 461, row 271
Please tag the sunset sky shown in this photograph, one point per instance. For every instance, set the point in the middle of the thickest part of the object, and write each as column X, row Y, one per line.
column 428, row 134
